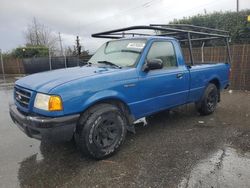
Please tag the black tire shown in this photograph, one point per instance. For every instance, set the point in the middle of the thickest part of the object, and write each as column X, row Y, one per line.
column 209, row 101
column 101, row 131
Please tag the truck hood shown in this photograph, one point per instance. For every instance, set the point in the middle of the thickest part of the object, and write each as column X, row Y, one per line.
column 45, row 81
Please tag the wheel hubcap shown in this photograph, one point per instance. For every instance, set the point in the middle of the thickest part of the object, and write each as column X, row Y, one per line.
column 212, row 100
column 106, row 133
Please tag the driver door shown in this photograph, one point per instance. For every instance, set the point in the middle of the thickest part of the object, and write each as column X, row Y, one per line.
column 163, row 88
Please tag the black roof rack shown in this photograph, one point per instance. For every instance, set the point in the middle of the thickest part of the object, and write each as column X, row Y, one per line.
column 182, row 32
column 178, row 31
column 192, row 27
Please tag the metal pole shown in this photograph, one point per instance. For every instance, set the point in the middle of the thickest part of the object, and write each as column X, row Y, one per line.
column 62, row 51
column 2, row 65
column 60, row 40
column 237, row 6
column 229, row 59
column 78, row 60
column 202, row 52
column 65, row 60
column 49, row 60
column 190, row 49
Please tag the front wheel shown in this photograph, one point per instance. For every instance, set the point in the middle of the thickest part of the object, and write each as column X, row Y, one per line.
column 102, row 130
column 209, row 101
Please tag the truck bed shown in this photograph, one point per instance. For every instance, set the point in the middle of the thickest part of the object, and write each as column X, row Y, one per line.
column 200, row 75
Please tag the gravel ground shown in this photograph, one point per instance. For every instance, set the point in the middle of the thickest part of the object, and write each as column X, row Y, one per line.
column 181, row 149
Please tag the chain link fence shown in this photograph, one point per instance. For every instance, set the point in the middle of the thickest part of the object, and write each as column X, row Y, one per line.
column 34, row 65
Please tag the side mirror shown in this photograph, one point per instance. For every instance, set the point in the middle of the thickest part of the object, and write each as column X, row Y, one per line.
column 153, row 64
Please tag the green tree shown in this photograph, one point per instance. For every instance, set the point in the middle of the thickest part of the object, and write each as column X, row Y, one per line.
column 234, row 22
column 30, row 51
column 79, row 49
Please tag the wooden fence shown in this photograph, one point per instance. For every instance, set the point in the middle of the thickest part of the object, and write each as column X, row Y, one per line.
column 12, row 66
column 240, row 65
column 240, row 76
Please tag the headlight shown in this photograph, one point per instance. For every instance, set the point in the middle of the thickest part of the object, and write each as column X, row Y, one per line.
column 48, row 102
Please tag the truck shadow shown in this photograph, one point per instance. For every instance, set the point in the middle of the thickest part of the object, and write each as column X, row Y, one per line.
column 60, row 164
column 168, row 118
column 56, row 164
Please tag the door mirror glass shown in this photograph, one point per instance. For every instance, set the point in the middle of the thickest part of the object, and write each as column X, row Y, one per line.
column 153, row 64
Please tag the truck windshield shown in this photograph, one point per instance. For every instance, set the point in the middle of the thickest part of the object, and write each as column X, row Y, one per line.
column 122, row 53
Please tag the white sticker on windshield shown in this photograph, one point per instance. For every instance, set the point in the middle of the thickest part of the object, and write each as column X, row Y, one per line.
column 136, row 45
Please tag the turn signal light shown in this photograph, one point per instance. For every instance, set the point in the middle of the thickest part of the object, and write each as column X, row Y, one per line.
column 55, row 103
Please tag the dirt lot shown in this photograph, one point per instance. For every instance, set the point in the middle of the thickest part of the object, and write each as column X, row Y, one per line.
column 179, row 150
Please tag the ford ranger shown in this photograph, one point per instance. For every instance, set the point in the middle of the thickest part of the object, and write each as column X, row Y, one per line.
column 126, row 79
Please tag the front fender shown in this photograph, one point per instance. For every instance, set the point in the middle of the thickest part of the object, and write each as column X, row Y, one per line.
column 103, row 95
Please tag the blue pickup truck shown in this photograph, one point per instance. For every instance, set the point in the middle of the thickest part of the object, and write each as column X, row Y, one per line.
column 126, row 79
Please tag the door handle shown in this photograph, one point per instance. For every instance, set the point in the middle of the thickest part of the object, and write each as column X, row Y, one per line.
column 179, row 75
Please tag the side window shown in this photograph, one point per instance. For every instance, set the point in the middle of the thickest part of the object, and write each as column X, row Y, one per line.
column 165, row 52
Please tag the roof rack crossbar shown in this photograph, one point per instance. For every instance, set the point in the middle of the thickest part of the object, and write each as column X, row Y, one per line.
column 201, row 39
column 107, row 36
column 140, row 34
column 144, row 34
column 191, row 26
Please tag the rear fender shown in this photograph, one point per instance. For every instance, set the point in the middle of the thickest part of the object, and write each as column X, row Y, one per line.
column 211, row 78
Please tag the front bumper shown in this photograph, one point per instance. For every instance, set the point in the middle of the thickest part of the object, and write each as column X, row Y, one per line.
column 49, row 128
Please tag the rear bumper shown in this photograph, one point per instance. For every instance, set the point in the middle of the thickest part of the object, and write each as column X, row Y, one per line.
column 40, row 127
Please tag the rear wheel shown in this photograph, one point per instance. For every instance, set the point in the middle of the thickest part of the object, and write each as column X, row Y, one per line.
column 209, row 101
column 102, row 130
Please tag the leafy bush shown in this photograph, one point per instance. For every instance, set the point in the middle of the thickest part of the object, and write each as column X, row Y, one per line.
column 31, row 51
column 234, row 22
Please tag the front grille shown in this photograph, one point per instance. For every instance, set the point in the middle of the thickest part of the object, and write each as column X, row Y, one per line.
column 22, row 97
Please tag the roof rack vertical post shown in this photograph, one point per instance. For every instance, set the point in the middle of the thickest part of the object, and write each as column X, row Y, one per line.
column 190, row 48
column 228, row 51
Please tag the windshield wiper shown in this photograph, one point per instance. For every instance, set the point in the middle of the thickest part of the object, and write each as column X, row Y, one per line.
column 132, row 51
column 85, row 64
column 109, row 63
